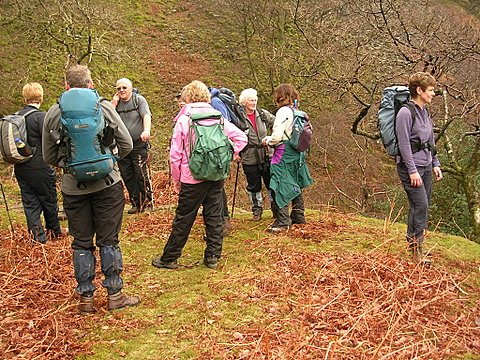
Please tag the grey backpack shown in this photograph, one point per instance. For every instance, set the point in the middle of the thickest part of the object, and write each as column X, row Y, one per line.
column 13, row 139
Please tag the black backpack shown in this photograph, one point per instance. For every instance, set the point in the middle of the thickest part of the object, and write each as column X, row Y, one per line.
column 236, row 111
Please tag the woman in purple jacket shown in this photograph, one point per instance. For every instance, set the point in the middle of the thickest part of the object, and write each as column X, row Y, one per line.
column 417, row 160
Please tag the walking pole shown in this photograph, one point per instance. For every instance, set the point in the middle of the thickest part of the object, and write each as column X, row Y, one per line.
column 6, row 207
column 235, row 190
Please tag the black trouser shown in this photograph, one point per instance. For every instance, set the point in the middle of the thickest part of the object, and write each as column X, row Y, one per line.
column 98, row 215
column 224, row 204
column 135, row 175
column 208, row 194
column 39, row 195
column 419, row 199
column 297, row 215
column 254, row 175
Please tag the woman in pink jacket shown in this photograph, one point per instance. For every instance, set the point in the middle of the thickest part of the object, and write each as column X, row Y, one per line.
column 194, row 193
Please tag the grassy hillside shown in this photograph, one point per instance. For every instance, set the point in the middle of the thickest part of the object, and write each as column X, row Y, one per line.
column 341, row 286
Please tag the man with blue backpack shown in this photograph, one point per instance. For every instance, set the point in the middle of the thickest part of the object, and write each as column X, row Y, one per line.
column 81, row 134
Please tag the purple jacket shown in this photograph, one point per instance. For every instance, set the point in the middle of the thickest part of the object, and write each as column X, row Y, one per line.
column 422, row 131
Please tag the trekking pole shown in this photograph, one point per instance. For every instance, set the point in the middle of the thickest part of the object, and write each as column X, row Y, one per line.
column 235, row 190
column 148, row 181
column 6, row 207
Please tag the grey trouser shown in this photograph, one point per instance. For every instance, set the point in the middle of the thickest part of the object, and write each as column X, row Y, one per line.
column 419, row 200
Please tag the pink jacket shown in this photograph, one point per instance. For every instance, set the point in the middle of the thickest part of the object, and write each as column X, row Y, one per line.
column 180, row 146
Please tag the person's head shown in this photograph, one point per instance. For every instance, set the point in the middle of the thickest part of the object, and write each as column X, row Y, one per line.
column 285, row 95
column 196, row 91
column 422, row 87
column 32, row 93
column 124, row 89
column 180, row 101
column 78, row 76
column 248, row 98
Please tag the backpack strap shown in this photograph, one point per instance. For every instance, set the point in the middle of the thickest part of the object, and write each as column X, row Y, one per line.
column 134, row 102
column 27, row 113
column 415, row 145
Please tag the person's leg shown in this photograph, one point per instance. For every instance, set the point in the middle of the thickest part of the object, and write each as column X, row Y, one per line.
column 282, row 221
column 212, row 217
column 128, row 176
column 227, row 224
column 46, row 190
column 32, row 207
column 418, row 212
column 190, row 198
column 297, row 214
column 79, row 213
column 141, row 189
column 254, row 188
column 107, row 208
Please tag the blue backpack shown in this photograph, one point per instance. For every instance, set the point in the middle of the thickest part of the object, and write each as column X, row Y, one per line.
column 83, row 128
column 302, row 131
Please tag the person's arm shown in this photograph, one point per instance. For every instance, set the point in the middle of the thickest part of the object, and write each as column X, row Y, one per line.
column 237, row 136
column 49, row 147
column 121, row 134
column 146, row 115
column 283, row 120
column 147, row 125
column 403, row 126
column 177, row 149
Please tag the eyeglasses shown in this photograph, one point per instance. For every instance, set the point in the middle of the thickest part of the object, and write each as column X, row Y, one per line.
column 122, row 88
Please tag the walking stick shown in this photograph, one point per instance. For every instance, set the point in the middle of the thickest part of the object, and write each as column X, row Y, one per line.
column 235, row 190
column 6, row 207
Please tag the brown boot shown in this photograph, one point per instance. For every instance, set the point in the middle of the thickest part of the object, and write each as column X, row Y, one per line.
column 120, row 300
column 419, row 256
column 86, row 305
column 227, row 226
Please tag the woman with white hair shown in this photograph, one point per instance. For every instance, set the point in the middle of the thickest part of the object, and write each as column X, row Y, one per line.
column 255, row 159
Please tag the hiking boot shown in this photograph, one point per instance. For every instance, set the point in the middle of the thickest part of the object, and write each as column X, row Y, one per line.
column 211, row 262
column 257, row 217
column 164, row 265
column 52, row 235
column 148, row 209
column 419, row 256
column 227, row 226
column 133, row 210
column 120, row 300
column 277, row 229
column 85, row 306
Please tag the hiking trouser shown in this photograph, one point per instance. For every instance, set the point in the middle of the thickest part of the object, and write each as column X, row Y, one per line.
column 419, row 200
column 191, row 196
column 96, row 214
column 39, row 195
column 225, row 213
column 134, row 170
column 254, row 175
column 297, row 215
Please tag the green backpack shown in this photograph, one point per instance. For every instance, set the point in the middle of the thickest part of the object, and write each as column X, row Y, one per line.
column 212, row 151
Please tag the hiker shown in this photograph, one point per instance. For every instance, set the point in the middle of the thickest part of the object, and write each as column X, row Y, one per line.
column 94, row 208
column 135, row 113
column 195, row 193
column 255, row 159
column 415, row 168
column 288, row 170
column 35, row 178
column 218, row 105
column 181, row 106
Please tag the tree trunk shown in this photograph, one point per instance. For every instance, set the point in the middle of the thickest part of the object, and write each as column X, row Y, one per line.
column 470, row 187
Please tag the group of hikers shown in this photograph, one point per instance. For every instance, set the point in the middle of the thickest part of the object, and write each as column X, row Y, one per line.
column 94, row 204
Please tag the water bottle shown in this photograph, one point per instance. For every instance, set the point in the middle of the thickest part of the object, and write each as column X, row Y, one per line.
column 22, row 148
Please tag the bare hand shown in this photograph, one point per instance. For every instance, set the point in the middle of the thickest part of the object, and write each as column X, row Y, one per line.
column 415, row 179
column 237, row 158
column 145, row 136
column 438, row 173
column 176, row 187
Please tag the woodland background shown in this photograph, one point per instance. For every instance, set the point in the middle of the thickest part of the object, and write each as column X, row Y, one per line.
column 338, row 53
